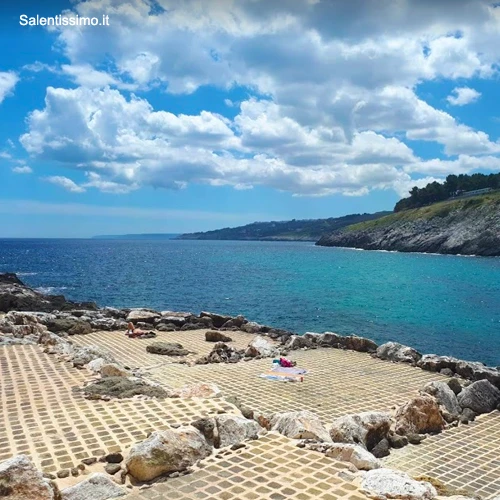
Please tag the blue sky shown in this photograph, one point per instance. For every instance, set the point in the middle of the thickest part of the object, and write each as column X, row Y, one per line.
column 184, row 116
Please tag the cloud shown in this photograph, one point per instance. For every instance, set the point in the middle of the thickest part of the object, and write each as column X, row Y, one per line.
column 460, row 96
column 65, row 183
column 335, row 103
column 8, row 80
column 22, row 170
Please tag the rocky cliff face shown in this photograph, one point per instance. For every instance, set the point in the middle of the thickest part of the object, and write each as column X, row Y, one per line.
column 467, row 227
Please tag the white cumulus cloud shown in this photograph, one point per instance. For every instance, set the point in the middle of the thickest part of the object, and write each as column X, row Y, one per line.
column 461, row 96
column 333, row 100
column 65, row 183
column 22, row 170
column 8, row 80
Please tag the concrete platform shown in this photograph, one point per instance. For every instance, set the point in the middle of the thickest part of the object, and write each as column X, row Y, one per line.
column 338, row 382
column 466, row 457
column 270, row 468
column 42, row 416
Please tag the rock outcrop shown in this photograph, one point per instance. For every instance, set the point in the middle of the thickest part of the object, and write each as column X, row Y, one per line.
column 399, row 353
column 366, row 429
column 391, row 484
column 167, row 349
column 466, row 227
column 97, row 487
column 260, row 346
column 480, row 397
column 21, row 480
column 420, row 415
column 167, row 451
column 445, row 397
column 16, row 296
column 216, row 336
column 300, row 425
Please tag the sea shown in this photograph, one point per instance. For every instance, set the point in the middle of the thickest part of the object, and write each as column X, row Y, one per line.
column 440, row 304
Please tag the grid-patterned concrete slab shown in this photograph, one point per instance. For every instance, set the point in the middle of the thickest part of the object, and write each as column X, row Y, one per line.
column 269, row 468
column 41, row 414
column 338, row 382
column 466, row 457
column 132, row 352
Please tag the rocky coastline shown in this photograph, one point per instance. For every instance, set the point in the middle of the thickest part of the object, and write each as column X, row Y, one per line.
column 457, row 228
column 468, row 389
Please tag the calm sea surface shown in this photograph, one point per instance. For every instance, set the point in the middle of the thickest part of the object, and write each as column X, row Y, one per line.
column 438, row 304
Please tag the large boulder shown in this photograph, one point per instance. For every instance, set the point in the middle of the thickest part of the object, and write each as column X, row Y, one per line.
column 387, row 483
column 298, row 342
column 330, row 339
column 251, row 327
column 435, row 363
column 443, row 394
column 398, row 353
column 221, row 353
column 167, row 349
column 478, row 371
column 366, row 429
column 261, row 347
column 234, row 429
column 300, row 425
column 218, row 320
column 353, row 453
column 360, row 344
column 178, row 319
column 420, row 415
column 143, row 315
column 173, row 450
column 216, row 336
column 227, row 429
column 98, row 486
column 84, row 355
column 20, row 480
column 480, row 397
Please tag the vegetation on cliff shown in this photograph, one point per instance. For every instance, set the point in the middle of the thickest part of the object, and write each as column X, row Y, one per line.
column 453, row 186
column 293, row 230
column 469, row 226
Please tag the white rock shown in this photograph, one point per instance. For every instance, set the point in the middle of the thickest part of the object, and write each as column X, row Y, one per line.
column 96, row 364
column 353, row 453
column 199, row 390
column 98, row 486
column 387, row 483
column 300, row 425
column 366, row 428
column 233, row 429
column 21, row 479
column 167, row 451
column 145, row 315
column 259, row 346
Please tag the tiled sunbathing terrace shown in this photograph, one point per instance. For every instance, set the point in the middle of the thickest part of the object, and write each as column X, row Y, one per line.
column 43, row 416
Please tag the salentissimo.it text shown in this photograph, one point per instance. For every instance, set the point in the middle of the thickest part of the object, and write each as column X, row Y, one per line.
column 61, row 20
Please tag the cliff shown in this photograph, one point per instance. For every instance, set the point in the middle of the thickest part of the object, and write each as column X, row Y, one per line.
column 469, row 226
column 293, row 230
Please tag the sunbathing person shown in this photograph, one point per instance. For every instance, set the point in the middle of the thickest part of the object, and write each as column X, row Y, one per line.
column 133, row 332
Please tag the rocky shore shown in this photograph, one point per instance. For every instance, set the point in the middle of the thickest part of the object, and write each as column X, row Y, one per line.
column 465, row 227
column 362, row 440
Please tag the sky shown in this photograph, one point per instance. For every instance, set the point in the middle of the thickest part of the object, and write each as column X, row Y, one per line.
column 188, row 115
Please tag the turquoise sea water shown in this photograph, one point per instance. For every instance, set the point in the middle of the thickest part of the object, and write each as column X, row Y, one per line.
column 439, row 304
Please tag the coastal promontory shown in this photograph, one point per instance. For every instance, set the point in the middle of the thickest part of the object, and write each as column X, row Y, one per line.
column 466, row 226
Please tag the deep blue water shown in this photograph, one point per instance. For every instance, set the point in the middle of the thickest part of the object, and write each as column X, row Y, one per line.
column 438, row 304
